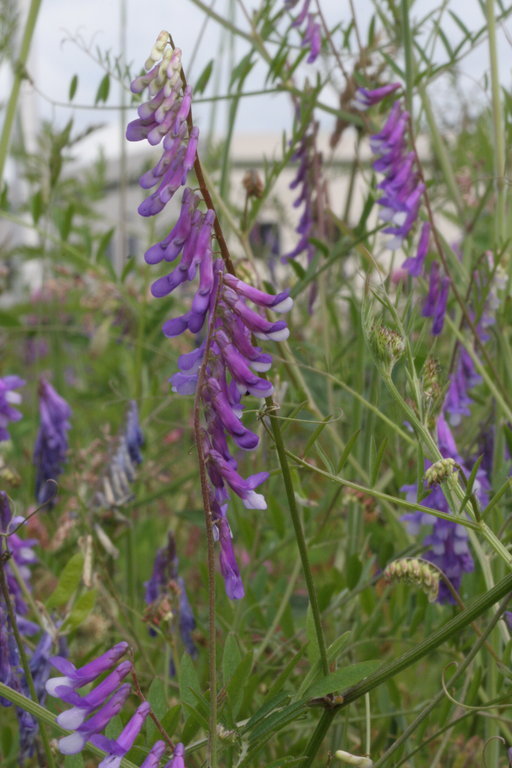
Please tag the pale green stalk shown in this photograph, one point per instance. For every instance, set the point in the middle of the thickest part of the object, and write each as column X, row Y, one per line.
column 12, row 104
column 498, row 127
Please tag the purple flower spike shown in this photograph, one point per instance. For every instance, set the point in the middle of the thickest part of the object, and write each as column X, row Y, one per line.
column 365, row 98
column 51, row 447
column 120, row 746
column 414, row 265
column 178, row 759
column 153, row 758
column 75, row 742
column 8, row 398
column 76, row 678
column 312, row 38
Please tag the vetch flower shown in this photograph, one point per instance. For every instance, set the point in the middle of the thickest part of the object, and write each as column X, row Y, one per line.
column 9, row 398
column 153, row 758
column 365, row 98
column 178, row 758
column 435, row 303
column 312, row 35
column 118, row 748
column 51, row 447
column 414, row 265
column 76, row 741
column 74, row 678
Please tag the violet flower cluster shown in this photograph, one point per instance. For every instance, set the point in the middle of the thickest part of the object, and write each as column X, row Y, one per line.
column 115, row 485
column 8, row 399
column 51, row 446
column 307, row 157
column 447, row 543
column 312, row 31
column 220, row 314
column 402, row 193
column 90, row 714
column 159, row 589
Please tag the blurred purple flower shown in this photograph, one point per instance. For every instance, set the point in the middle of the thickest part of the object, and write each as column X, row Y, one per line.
column 312, row 35
column 364, row 98
column 401, row 186
column 51, row 447
column 178, row 758
column 435, row 303
column 414, row 265
column 8, row 398
column 165, row 579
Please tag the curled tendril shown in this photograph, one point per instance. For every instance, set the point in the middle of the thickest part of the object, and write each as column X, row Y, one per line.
column 460, row 703
column 491, row 738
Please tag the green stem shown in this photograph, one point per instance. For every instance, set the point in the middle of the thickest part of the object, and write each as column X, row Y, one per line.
column 498, row 126
column 408, row 55
column 23, row 657
column 384, row 496
column 299, row 532
column 12, row 104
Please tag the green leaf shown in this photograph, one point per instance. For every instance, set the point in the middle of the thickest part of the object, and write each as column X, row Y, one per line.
column 103, row 89
column 315, row 671
column 188, row 681
column 230, row 658
column 72, row 87
column 171, row 719
column 36, row 206
column 81, row 610
column 342, row 678
column 354, row 568
column 204, row 78
column 238, row 682
column 158, row 701
column 68, row 582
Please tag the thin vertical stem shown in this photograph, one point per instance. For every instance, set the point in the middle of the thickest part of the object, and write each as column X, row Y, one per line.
column 498, row 126
column 12, row 104
column 299, row 533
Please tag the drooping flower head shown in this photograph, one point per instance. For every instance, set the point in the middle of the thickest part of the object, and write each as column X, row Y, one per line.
column 51, row 447
column 9, row 398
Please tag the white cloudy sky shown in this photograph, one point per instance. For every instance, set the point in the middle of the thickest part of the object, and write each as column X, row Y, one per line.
column 54, row 62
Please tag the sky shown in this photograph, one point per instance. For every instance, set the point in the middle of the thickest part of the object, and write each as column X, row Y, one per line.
column 56, row 58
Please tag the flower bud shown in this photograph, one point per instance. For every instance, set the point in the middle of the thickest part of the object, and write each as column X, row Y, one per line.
column 439, row 471
column 348, row 757
column 252, row 183
column 415, row 571
column 387, row 344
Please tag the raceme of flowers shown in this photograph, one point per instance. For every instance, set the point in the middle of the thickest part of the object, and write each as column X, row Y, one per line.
column 90, row 714
column 312, row 33
column 8, row 399
column 220, row 314
column 448, row 544
column 51, row 446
